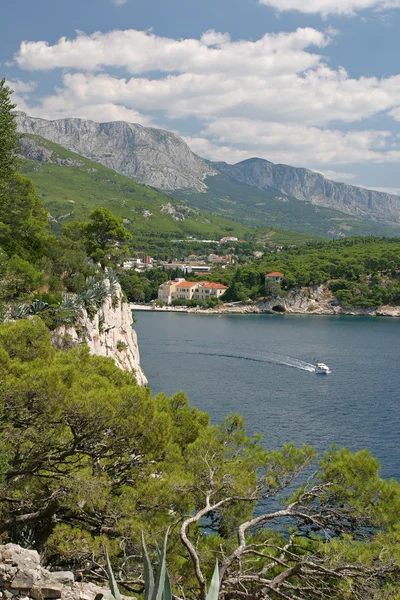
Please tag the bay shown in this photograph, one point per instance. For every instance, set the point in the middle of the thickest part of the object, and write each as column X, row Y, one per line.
column 260, row 366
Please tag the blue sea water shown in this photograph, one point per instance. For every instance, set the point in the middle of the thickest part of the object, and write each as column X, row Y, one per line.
column 260, row 367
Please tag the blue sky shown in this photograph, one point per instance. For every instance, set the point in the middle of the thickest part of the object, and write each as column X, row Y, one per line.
column 312, row 83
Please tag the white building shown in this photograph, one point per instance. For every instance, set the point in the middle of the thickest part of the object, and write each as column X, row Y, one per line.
column 179, row 289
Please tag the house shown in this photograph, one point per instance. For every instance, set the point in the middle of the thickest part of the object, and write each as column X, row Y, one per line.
column 228, row 238
column 179, row 289
column 166, row 291
column 210, row 290
column 274, row 276
column 185, row 290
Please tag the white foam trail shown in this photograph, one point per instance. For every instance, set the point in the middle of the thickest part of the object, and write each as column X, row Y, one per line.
column 268, row 357
column 295, row 363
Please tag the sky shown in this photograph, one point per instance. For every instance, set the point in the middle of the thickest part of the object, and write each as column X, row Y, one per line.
column 310, row 83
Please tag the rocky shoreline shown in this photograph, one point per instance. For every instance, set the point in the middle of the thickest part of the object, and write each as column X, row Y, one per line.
column 316, row 300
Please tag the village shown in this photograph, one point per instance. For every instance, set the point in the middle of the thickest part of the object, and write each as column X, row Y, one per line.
column 197, row 263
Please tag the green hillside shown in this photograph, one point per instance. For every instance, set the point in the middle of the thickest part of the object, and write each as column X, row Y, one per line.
column 71, row 186
column 254, row 207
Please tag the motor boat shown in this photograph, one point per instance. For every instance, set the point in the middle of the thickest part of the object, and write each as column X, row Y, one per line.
column 322, row 369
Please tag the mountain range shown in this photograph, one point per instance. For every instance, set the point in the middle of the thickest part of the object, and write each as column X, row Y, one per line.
column 256, row 192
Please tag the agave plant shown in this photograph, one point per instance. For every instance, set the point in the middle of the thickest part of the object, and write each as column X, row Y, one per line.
column 20, row 312
column 71, row 304
column 157, row 586
column 113, row 281
column 37, row 307
column 213, row 591
column 94, row 296
column 67, row 313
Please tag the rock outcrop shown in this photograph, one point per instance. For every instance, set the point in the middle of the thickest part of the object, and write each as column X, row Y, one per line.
column 313, row 300
column 109, row 333
column 152, row 156
column 23, row 578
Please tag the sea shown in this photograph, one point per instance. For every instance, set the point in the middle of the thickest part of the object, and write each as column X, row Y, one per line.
column 261, row 366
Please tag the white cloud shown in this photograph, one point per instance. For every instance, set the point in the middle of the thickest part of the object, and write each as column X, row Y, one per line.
column 275, row 97
column 336, row 175
column 275, row 78
column 213, row 38
column 297, row 145
column 326, row 7
column 387, row 190
column 22, row 87
column 120, row 2
column 142, row 51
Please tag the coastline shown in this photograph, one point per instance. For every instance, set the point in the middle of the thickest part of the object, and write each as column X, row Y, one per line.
column 316, row 300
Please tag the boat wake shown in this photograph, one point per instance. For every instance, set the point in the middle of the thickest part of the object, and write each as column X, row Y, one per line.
column 265, row 357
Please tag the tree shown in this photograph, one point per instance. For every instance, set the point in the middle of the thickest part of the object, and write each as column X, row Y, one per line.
column 88, row 458
column 23, row 219
column 105, row 237
column 9, row 162
column 272, row 290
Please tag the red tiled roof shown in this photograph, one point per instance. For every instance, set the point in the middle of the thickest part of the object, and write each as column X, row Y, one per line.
column 186, row 284
column 274, row 274
column 215, row 286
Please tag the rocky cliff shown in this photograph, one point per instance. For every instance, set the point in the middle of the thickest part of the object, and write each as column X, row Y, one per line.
column 23, row 578
column 152, row 156
column 109, row 333
column 312, row 187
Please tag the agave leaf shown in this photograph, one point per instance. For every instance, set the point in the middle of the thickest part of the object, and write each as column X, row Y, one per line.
column 111, row 579
column 167, row 587
column 148, row 573
column 214, row 585
column 167, row 584
column 161, row 572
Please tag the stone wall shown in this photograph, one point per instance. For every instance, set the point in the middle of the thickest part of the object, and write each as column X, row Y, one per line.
column 23, row 578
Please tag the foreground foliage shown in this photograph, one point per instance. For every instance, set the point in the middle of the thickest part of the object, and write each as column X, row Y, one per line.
column 88, row 458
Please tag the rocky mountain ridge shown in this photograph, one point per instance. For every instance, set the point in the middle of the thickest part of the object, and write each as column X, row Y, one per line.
column 313, row 187
column 163, row 160
column 151, row 156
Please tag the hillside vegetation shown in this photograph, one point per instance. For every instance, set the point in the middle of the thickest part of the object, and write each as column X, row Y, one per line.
column 258, row 207
column 71, row 186
column 363, row 272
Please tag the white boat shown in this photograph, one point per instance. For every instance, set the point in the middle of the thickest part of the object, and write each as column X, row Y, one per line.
column 322, row 369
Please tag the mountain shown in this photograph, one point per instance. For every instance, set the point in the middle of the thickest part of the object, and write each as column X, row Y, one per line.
column 71, row 186
column 309, row 186
column 151, row 156
column 257, row 207
column 255, row 191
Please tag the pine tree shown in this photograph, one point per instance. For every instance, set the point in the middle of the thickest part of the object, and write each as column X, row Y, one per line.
column 9, row 161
